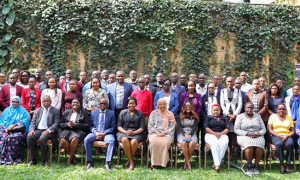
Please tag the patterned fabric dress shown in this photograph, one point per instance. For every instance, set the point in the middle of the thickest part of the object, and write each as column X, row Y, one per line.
column 10, row 146
column 244, row 125
column 91, row 100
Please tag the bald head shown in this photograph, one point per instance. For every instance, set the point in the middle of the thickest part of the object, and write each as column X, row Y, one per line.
column 174, row 78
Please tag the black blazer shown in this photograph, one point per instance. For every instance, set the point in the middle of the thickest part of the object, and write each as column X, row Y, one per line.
column 152, row 89
column 82, row 121
column 52, row 121
column 204, row 108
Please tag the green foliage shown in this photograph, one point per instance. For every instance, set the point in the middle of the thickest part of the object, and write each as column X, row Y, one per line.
column 291, row 74
column 112, row 34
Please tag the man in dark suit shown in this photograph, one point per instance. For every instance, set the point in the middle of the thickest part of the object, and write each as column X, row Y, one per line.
column 120, row 91
column 44, row 85
column 64, row 85
column 9, row 91
column 210, row 98
column 238, row 85
column 102, row 127
column 262, row 83
column 158, row 85
column 176, row 88
column 216, row 80
column 43, row 127
column 150, row 88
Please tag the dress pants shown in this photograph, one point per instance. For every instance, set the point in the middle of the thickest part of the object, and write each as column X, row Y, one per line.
column 217, row 146
column 289, row 143
column 89, row 139
column 31, row 143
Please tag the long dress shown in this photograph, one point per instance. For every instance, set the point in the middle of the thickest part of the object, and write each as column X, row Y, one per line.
column 159, row 145
column 10, row 144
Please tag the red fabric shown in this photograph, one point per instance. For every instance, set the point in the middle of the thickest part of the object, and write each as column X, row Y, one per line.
column 68, row 97
column 62, row 86
column 144, row 101
column 5, row 95
column 37, row 84
column 25, row 99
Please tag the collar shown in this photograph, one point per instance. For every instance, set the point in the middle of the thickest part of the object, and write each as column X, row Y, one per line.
column 157, row 84
column 120, row 84
column 47, row 109
column 12, row 86
column 142, row 90
column 133, row 82
column 103, row 111
column 174, row 85
column 255, row 92
column 205, row 86
column 187, row 94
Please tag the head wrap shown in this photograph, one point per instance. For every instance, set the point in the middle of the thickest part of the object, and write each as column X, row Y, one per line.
column 12, row 115
column 166, row 115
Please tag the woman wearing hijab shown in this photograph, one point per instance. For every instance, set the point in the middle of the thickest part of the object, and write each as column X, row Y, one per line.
column 11, row 141
column 161, row 128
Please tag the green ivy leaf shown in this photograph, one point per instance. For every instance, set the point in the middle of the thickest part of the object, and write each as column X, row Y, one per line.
column 1, row 42
column 2, row 60
column 7, row 37
column 11, row 3
column 5, row 10
column 10, row 18
column 10, row 47
column 4, row 53
column 1, row 24
column 3, row 68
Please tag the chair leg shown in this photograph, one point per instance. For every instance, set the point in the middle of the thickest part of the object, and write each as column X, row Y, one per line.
column 228, row 160
column 242, row 154
column 270, row 158
column 59, row 148
column 171, row 156
column 51, row 146
column 27, row 155
column 176, row 149
column 148, row 155
column 265, row 157
column 82, row 153
column 294, row 160
column 205, row 151
column 199, row 157
column 118, row 159
column 142, row 154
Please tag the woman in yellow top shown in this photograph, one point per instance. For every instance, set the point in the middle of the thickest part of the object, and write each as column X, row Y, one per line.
column 281, row 127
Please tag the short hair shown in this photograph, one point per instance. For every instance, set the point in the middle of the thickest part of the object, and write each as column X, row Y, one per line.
column 77, row 100
column 73, row 81
column 167, row 80
column 3, row 73
column 47, row 96
column 16, row 70
column 281, row 104
column 32, row 77
column 69, row 69
column 249, row 103
column 131, row 98
column 211, row 83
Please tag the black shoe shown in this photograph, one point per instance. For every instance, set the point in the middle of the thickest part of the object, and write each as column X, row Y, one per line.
column 46, row 164
column 31, row 163
column 124, row 166
column 288, row 172
column 256, row 170
column 89, row 165
column 106, row 166
column 131, row 169
column 282, row 171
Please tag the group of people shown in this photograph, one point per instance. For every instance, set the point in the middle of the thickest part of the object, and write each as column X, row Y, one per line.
column 176, row 110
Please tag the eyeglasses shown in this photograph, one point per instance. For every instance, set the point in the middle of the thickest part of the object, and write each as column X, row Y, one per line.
column 2, row 76
column 102, row 103
column 211, row 87
column 95, row 74
column 166, row 85
column 82, row 75
column 215, row 78
column 75, row 103
column 142, row 82
column 188, row 107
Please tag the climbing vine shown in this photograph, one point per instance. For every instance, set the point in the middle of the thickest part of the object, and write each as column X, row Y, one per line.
column 114, row 34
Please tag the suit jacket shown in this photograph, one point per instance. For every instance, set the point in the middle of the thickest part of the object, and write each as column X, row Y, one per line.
column 178, row 89
column 174, row 103
column 219, row 90
column 197, row 101
column 5, row 95
column 25, row 99
column 236, row 103
column 52, row 121
column 263, row 103
column 152, row 89
column 154, row 85
column 204, row 107
column 62, row 86
column 110, row 121
column 112, row 90
column 243, row 99
column 82, row 121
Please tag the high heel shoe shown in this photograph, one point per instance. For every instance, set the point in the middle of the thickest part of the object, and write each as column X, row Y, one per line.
column 282, row 171
column 124, row 166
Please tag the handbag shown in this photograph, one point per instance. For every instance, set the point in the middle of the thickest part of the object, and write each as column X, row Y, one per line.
column 19, row 128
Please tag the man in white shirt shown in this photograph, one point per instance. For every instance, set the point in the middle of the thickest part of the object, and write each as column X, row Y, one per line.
column 43, row 127
column 289, row 92
column 201, row 87
column 246, row 86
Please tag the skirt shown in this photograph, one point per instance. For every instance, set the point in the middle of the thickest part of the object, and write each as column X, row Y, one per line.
column 159, row 150
column 10, row 146
column 138, row 137
column 245, row 142
column 180, row 138
column 70, row 134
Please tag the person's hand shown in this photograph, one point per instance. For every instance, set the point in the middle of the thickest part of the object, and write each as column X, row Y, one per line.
column 162, row 134
column 10, row 127
column 250, row 134
column 187, row 137
column 71, row 124
column 101, row 135
column 157, row 133
column 282, row 138
column 299, row 134
column 218, row 135
column 31, row 133
column 45, row 133
column 130, row 133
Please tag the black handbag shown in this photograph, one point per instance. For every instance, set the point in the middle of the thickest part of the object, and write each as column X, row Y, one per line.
column 19, row 128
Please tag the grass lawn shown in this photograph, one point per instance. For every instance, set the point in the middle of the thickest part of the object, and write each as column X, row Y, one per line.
column 59, row 171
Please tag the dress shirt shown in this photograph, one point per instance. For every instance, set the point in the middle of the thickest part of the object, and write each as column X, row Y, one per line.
column 100, row 120
column 67, row 85
column 289, row 92
column 43, row 125
column 12, row 91
column 119, row 96
column 246, row 87
column 173, row 87
column 201, row 90
column 255, row 101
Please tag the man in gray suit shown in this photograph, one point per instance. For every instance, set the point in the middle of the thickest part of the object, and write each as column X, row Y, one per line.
column 43, row 127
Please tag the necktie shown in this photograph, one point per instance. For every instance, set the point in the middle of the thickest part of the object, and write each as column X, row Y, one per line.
column 44, row 121
column 101, row 128
column 173, row 88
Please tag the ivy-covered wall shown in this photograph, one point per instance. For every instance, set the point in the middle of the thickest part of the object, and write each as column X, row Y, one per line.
column 151, row 36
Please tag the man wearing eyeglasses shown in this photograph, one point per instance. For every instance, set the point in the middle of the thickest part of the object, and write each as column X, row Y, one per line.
column 102, row 127
column 2, row 79
column 216, row 81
